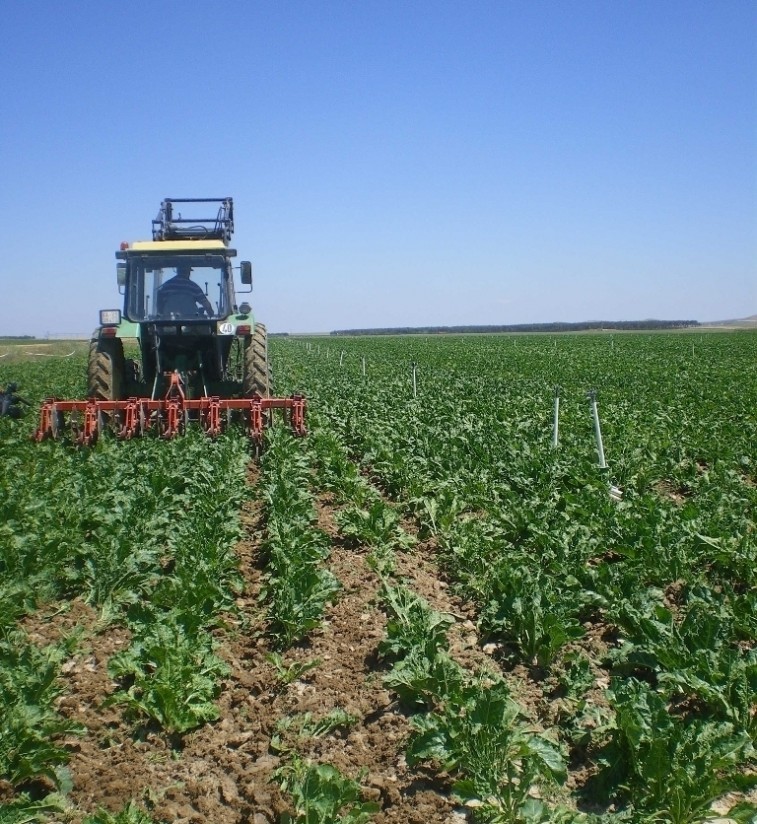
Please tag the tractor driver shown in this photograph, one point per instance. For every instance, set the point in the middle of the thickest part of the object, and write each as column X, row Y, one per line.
column 182, row 296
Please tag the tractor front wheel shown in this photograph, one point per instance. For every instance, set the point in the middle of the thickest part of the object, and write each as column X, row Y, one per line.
column 257, row 372
column 106, row 371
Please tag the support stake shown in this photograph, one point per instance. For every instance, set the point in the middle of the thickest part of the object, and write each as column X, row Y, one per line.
column 615, row 492
column 592, row 395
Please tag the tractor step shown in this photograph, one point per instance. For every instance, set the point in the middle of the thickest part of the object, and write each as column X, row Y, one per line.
column 167, row 417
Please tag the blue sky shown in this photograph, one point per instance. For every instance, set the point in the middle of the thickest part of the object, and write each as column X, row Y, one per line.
column 392, row 163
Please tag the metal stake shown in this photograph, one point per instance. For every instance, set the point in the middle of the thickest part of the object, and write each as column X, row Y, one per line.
column 364, row 366
column 415, row 385
column 616, row 493
column 341, row 357
column 592, row 395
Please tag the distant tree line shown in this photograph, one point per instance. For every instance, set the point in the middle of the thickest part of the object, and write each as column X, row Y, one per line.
column 18, row 337
column 583, row 326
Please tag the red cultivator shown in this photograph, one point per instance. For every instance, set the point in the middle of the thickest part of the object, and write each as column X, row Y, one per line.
column 167, row 417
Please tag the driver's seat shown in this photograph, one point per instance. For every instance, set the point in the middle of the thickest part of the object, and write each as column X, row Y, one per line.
column 176, row 302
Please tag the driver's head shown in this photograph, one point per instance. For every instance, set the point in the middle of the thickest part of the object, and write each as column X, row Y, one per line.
column 183, row 271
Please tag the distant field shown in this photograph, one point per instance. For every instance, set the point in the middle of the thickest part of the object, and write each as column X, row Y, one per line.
column 742, row 323
column 19, row 349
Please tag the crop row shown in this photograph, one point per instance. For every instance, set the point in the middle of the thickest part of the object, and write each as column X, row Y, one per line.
column 665, row 577
column 143, row 532
column 466, row 723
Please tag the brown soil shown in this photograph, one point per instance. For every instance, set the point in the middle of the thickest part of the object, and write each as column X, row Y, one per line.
column 223, row 771
column 668, row 490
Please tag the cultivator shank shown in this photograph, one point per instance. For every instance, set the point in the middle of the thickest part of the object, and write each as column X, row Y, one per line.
column 167, row 417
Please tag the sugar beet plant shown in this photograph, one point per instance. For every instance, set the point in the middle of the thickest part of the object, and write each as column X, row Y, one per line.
column 664, row 578
column 142, row 531
column 471, row 728
column 669, row 766
column 322, row 795
column 170, row 674
column 31, row 727
column 297, row 583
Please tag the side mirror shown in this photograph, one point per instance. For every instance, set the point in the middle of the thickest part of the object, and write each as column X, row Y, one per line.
column 121, row 274
column 245, row 272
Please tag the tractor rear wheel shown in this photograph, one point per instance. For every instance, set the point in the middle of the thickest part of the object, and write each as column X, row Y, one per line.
column 257, row 372
column 106, row 371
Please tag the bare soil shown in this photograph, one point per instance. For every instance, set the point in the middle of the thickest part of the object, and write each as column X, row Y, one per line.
column 223, row 771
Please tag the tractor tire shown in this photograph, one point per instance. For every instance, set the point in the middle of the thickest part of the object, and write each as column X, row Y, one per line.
column 106, row 371
column 257, row 372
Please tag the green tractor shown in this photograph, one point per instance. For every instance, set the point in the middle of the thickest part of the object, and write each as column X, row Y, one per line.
column 181, row 307
column 203, row 355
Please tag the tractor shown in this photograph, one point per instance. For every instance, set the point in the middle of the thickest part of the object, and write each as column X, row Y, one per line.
column 204, row 358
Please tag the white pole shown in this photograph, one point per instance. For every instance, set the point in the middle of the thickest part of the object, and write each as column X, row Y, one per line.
column 597, row 431
column 363, row 365
column 616, row 493
column 341, row 357
column 415, row 385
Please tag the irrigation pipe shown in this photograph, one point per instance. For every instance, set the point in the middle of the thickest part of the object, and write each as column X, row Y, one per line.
column 556, row 418
column 46, row 355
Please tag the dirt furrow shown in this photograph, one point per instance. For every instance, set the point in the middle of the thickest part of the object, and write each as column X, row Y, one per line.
column 223, row 771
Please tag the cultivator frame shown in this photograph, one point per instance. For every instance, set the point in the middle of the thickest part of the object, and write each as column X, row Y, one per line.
column 167, row 416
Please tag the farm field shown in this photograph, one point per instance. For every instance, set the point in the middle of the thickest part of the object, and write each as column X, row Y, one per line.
column 425, row 611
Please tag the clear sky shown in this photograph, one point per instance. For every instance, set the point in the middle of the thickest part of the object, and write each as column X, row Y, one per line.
column 391, row 163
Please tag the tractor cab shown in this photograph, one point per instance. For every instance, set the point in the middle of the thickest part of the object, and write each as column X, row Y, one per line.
column 188, row 285
column 184, row 273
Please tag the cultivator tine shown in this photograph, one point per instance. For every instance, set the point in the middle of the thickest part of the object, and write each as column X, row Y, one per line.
column 297, row 415
column 256, row 419
column 131, row 420
column 46, row 428
column 87, row 435
column 173, row 407
column 210, row 416
column 173, row 418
